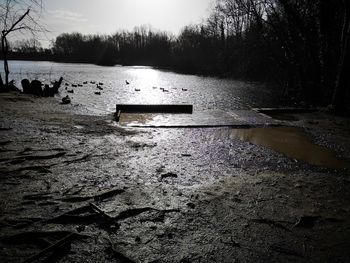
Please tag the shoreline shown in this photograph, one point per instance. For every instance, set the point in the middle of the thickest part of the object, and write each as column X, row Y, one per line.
column 172, row 194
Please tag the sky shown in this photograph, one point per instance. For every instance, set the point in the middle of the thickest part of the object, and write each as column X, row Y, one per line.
column 109, row 16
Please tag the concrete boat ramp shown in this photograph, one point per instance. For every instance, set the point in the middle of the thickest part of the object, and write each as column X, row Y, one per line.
column 198, row 119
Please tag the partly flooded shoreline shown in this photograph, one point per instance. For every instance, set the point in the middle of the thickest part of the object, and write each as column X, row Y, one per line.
column 150, row 194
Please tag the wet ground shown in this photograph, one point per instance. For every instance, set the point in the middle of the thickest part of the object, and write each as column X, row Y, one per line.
column 75, row 187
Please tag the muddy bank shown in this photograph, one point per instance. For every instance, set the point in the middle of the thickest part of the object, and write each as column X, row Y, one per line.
column 76, row 187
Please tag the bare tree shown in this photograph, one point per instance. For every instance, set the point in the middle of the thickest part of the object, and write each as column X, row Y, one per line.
column 17, row 16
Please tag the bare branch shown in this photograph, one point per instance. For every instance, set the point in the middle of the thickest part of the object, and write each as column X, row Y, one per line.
column 6, row 32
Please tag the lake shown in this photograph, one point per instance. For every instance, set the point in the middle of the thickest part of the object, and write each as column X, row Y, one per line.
column 147, row 85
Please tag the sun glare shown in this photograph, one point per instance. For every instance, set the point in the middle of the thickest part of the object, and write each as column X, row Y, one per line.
column 147, row 81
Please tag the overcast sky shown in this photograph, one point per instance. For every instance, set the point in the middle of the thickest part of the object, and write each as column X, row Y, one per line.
column 108, row 16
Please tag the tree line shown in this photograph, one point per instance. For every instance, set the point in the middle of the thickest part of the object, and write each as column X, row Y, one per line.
column 301, row 44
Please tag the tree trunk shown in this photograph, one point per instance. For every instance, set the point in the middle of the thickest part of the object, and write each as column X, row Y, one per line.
column 342, row 81
column 4, row 48
column 2, row 87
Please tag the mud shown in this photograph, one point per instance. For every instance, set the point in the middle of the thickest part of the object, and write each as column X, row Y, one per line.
column 121, row 194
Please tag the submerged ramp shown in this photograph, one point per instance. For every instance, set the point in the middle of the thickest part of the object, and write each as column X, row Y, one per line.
column 199, row 119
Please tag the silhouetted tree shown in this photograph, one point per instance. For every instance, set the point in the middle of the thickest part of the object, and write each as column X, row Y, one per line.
column 15, row 16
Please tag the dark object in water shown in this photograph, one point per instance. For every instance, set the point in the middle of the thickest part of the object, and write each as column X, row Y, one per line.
column 99, row 87
column 66, row 100
column 184, row 89
column 137, row 89
column 97, row 93
column 70, row 91
column 100, row 83
column 74, row 85
column 85, row 82
column 127, row 82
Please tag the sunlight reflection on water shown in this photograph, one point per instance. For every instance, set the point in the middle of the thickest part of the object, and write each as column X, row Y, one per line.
column 145, row 79
column 147, row 85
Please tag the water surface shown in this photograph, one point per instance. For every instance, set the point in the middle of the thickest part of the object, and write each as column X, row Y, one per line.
column 146, row 86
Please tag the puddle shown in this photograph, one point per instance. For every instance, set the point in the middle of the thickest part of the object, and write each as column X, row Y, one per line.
column 292, row 142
